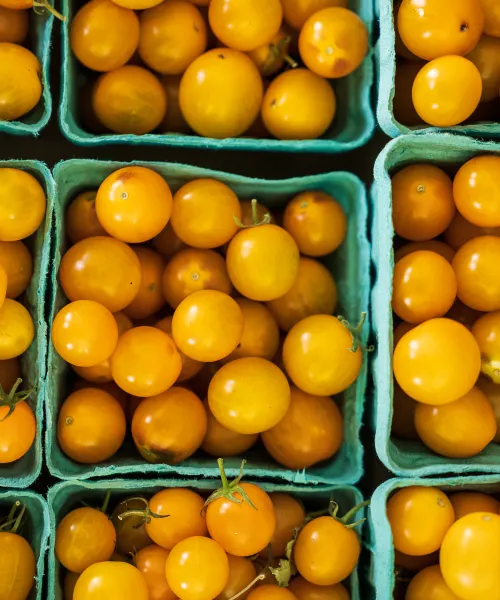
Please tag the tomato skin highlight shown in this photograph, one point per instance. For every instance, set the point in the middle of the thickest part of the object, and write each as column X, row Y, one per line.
column 99, row 582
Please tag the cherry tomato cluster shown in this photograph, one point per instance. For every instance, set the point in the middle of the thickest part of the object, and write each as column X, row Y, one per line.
column 239, row 542
column 460, row 42
column 156, row 336
column 18, row 191
column 17, row 559
column 445, row 546
column 220, row 69
column 447, row 295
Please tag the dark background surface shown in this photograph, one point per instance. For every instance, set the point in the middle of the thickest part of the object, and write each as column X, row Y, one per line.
column 51, row 147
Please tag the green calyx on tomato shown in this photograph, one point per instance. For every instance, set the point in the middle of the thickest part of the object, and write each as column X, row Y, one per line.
column 13, row 398
column 228, row 490
column 42, row 6
column 266, row 220
column 355, row 332
column 145, row 514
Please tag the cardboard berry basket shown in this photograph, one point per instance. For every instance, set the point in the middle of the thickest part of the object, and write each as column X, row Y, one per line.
column 35, row 529
column 353, row 126
column 39, row 42
column 68, row 495
column 386, row 66
column 403, row 457
column 349, row 266
column 23, row 472
column 380, row 542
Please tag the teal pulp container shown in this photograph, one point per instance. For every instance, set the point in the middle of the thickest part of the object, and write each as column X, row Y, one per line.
column 380, row 536
column 350, row 268
column 403, row 457
column 66, row 496
column 35, row 530
column 386, row 66
column 23, row 472
column 353, row 125
column 40, row 44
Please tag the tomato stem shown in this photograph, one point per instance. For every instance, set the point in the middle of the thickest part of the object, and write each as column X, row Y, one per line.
column 45, row 6
column 349, row 515
column 146, row 513
column 259, row 577
column 105, row 504
column 255, row 218
column 13, row 398
column 12, row 522
column 229, row 489
column 354, row 331
column 290, row 61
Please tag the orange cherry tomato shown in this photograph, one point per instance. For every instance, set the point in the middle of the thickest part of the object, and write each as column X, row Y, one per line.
column 22, row 198
column 221, row 442
column 137, row 4
column 247, row 212
column 190, row 367
column 131, row 534
column 261, row 336
column 173, row 34
column 402, row 103
column 197, row 569
column 249, row 395
column 304, row 590
column 81, row 218
column 101, row 269
column 151, row 562
column 326, row 551
column 221, row 93
column 174, row 121
column 129, row 100
column 298, row 105
column 16, row 329
column 242, row 528
column 146, row 362
column 85, row 536
column 170, row 427
column 270, row 591
column 17, row 431
column 18, row 566
column 186, row 517
column 321, row 356
column 263, row 262
column 461, row 231
column 477, row 192
column 109, row 386
column 465, row 503
column 204, row 212
column 419, row 518
column 429, row 585
column 16, row 261
column 103, row 35
column 316, row 221
column 310, row 431
column 447, row 91
column 400, row 330
column 424, row 287
column 84, row 333
column 207, row 326
column 422, row 202
column 149, row 299
column 431, row 246
column 475, row 266
column 134, row 204
column 491, row 12
column 403, row 414
column 492, row 392
column 437, row 362
column 100, row 580
column 271, row 57
column 13, row 25
column 296, row 12
column 20, row 87
column 486, row 58
column 3, row 285
column 475, row 535
column 290, row 515
column 431, row 29
column 241, row 573
column 333, row 42
column 245, row 24
column 167, row 243
column 486, row 330
column 459, row 429
column 91, row 426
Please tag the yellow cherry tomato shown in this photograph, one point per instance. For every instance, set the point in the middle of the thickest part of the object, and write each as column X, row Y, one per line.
column 16, row 329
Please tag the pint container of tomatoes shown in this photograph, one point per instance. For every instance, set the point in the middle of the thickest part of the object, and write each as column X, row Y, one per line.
column 26, row 200
column 172, row 538
column 436, row 537
column 24, row 541
column 173, row 345
column 436, row 370
column 439, row 67
column 264, row 75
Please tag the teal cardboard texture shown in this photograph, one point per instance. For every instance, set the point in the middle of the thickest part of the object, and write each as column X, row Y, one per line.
column 35, row 530
column 40, row 41
column 353, row 126
column 23, row 472
column 386, row 75
column 403, row 457
column 380, row 536
column 349, row 265
column 66, row 496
